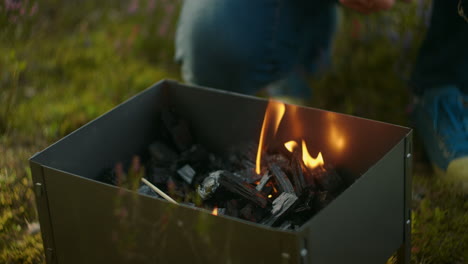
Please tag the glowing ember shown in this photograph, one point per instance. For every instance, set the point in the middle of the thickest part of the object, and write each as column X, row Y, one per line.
column 291, row 145
column 310, row 162
column 215, row 211
column 273, row 115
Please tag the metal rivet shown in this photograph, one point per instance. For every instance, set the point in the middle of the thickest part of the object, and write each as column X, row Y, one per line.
column 408, row 222
column 38, row 187
column 285, row 255
column 303, row 252
column 408, row 155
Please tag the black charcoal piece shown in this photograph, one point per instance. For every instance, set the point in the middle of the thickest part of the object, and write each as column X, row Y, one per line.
column 235, row 185
column 159, row 175
column 178, row 130
column 286, row 225
column 209, row 185
column 181, row 135
column 297, row 173
column 161, row 154
column 146, row 190
column 282, row 161
column 248, row 175
column 283, row 182
column 248, row 213
column 186, row 173
column 283, row 203
column 263, row 182
column 221, row 211
column 196, row 155
column 328, row 179
column 232, row 208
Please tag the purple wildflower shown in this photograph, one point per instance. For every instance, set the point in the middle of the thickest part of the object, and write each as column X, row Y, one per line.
column 133, row 7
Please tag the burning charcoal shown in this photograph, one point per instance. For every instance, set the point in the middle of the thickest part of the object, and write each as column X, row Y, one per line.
column 283, row 182
column 159, row 175
column 146, row 190
column 209, row 185
column 297, row 173
column 328, row 179
column 218, row 211
column 235, row 185
column 282, row 161
column 186, row 173
column 283, row 203
column 263, row 182
column 178, row 129
column 161, row 154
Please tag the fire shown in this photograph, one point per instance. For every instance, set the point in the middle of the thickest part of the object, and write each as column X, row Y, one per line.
column 215, row 211
column 310, row 162
column 291, row 145
column 273, row 115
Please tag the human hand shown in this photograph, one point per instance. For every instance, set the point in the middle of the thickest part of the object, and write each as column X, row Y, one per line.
column 368, row 6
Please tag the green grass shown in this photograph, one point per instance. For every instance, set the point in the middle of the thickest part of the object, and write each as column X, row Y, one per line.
column 61, row 68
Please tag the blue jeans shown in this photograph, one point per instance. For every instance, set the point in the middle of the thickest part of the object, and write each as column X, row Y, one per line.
column 245, row 45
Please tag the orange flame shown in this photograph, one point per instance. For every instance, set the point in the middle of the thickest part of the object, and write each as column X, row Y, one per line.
column 215, row 211
column 310, row 162
column 273, row 115
column 291, row 145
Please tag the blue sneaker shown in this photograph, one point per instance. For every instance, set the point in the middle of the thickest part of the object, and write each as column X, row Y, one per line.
column 441, row 118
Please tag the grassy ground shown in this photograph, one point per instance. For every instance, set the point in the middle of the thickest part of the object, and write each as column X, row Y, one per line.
column 63, row 63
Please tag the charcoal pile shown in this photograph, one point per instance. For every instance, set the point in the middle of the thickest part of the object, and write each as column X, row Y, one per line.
column 284, row 194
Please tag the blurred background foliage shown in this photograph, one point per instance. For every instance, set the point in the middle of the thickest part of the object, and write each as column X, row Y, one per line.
column 63, row 63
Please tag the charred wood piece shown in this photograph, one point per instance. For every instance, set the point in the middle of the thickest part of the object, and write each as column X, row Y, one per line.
column 159, row 175
column 286, row 225
column 196, row 156
column 283, row 203
column 263, row 182
column 328, row 179
column 186, row 173
column 232, row 208
column 283, row 182
column 281, row 160
column 178, row 129
column 248, row 175
column 297, row 173
column 237, row 186
column 161, row 154
column 146, row 190
column 221, row 211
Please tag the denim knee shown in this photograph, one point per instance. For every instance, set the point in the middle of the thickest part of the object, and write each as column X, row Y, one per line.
column 243, row 45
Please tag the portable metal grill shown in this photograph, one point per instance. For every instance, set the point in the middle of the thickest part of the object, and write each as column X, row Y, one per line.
column 81, row 222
